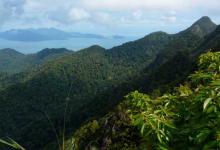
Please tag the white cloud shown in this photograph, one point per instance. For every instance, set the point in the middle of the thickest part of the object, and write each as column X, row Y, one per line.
column 152, row 5
column 137, row 14
column 172, row 12
column 78, row 14
column 9, row 9
column 206, row 4
column 171, row 19
column 117, row 5
column 102, row 18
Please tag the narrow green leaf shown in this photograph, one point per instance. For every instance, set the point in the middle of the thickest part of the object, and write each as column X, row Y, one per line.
column 207, row 101
column 12, row 144
column 142, row 129
column 6, row 143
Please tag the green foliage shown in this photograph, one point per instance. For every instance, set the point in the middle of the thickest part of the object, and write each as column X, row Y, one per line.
column 93, row 80
column 211, row 42
column 210, row 62
column 154, row 118
column 188, row 118
column 11, row 143
column 89, row 78
column 114, row 131
column 13, row 62
column 85, row 132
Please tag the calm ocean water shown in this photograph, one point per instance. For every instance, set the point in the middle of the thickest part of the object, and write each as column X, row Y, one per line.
column 72, row 44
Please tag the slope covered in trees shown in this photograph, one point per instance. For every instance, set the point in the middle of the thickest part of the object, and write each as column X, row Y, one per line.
column 13, row 62
column 90, row 82
column 187, row 118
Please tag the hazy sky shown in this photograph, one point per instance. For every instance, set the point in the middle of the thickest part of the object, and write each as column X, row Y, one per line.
column 126, row 17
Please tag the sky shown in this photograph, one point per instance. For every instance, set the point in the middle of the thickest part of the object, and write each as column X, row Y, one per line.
column 124, row 17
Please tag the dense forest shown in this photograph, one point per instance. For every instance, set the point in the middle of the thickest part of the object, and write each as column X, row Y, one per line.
column 186, row 118
column 12, row 62
column 51, row 94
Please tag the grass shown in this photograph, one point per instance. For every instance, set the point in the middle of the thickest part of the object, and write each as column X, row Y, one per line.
column 11, row 143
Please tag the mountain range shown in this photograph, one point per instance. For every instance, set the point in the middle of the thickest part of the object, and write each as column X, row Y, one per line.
column 46, row 34
column 90, row 82
column 12, row 61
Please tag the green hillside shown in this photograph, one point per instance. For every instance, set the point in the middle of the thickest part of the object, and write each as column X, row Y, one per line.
column 90, row 82
column 13, row 62
column 187, row 118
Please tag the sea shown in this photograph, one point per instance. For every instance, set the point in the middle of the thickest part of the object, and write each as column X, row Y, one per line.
column 74, row 44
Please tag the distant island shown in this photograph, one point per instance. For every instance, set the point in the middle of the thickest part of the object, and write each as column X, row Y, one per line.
column 47, row 34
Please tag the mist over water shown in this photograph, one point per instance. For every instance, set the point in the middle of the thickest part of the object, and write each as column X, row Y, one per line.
column 74, row 44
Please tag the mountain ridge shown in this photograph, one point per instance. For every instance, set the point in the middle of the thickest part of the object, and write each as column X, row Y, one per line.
column 93, row 80
column 202, row 27
column 12, row 61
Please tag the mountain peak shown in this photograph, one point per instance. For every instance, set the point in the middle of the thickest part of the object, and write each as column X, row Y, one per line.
column 96, row 47
column 205, row 20
column 51, row 51
column 92, row 50
column 202, row 27
column 10, row 51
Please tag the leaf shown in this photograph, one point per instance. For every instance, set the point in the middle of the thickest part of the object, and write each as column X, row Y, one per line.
column 169, row 124
column 142, row 129
column 6, row 143
column 138, row 121
column 161, row 147
column 211, row 109
column 12, row 143
column 159, row 138
column 216, row 83
column 157, row 111
column 206, row 103
column 202, row 136
column 210, row 145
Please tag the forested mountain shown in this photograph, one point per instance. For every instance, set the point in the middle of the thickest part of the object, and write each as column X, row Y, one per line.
column 12, row 61
column 187, row 40
column 202, row 27
column 92, row 81
column 186, row 118
column 211, row 42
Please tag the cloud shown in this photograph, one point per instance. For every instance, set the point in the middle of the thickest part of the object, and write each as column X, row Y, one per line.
column 78, row 14
column 208, row 4
column 106, row 14
column 14, row 6
column 172, row 12
column 9, row 9
column 103, row 18
column 171, row 19
column 153, row 5
column 137, row 14
column 116, row 5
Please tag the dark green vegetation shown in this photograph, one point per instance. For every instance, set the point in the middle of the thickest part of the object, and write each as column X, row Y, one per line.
column 12, row 61
column 92, row 81
column 187, row 118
